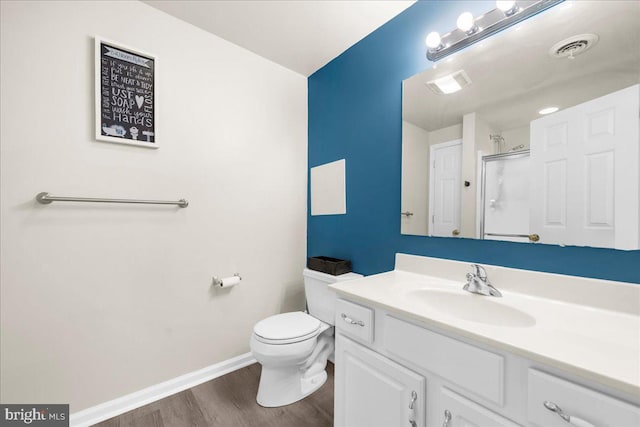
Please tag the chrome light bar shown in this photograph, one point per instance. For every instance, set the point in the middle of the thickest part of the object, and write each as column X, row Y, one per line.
column 484, row 26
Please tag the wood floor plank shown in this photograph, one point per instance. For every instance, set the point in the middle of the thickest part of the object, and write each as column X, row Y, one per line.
column 153, row 419
column 228, row 401
column 111, row 422
column 181, row 409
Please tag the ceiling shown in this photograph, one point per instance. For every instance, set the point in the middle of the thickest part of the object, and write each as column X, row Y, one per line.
column 302, row 35
column 513, row 76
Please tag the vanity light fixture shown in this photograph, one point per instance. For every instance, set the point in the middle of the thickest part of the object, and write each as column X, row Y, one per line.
column 471, row 30
column 548, row 110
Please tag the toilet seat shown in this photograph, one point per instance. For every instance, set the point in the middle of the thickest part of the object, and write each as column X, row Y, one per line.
column 287, row 328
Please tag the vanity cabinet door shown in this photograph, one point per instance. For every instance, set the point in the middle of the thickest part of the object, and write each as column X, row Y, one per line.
column 457, row 411
column 373, row 391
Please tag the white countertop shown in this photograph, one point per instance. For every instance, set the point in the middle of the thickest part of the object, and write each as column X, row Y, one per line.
column 599, row 344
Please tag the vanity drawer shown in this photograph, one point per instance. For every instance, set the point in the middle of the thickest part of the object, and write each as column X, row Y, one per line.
column 354, row 320
column 478, row 371
column 592, row 407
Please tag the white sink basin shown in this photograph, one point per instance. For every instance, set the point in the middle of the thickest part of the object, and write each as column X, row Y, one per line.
column 475, row 308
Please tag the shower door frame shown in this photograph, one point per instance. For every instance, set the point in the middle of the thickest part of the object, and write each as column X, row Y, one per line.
column 483, row 173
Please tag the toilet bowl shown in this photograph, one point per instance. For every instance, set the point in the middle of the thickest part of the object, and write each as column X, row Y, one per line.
column 293, row 348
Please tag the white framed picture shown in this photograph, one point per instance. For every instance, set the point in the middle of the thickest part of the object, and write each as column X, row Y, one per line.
column 125, row 94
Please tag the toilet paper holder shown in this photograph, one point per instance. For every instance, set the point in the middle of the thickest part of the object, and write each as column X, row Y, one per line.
column 227, row 281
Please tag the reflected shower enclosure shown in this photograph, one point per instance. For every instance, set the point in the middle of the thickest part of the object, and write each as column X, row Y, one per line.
column 504, row 197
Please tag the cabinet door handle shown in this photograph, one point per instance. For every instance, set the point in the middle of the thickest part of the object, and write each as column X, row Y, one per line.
column 351, row 321
column 579, row 422
column 447, row 418
column 414, row 397
column 412, row 411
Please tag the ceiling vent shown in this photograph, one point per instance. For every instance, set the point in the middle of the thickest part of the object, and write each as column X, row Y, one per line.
column 573, row 46
column 450, row 83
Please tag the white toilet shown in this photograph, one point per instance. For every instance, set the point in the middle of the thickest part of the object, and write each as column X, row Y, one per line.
column 293, row 347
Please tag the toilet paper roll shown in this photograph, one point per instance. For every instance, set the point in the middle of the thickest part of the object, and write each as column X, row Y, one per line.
column 228, row 282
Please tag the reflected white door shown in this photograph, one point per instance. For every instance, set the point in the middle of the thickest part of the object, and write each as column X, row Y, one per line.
column 585, row 182
column 444, row 203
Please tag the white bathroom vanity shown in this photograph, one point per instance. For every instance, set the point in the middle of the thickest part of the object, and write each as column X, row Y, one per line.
column 414, row 349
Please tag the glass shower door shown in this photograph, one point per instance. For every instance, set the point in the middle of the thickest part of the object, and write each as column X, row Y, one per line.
column 505, row 197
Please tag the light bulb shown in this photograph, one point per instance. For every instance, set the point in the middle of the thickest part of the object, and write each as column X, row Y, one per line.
column 508, row 7
column 505, row 5
column 548, row 110
column 465, row 22
column 433, row 40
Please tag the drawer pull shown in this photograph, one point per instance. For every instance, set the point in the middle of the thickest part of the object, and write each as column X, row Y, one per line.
column 351, row 321
column 447, row 418
column 578, row 422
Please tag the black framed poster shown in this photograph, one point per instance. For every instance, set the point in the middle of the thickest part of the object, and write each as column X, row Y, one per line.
column 125, row 95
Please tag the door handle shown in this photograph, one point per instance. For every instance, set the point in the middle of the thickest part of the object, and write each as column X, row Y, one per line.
column 455, row 232
column 447, row 418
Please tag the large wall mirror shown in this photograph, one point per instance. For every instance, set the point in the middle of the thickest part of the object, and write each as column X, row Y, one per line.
column 486, row 162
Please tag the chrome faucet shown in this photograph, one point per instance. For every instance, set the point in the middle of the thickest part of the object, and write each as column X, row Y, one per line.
column 478, row 283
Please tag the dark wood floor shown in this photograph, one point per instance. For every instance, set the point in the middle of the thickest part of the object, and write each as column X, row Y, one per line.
column 230, row 401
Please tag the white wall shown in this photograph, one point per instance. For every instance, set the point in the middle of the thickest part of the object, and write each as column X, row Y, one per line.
column 515, row 137
column 447, row 134
column 102, row 300
column 415, row 179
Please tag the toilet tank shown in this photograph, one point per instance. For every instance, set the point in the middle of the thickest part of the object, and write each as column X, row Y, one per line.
column 321, row 300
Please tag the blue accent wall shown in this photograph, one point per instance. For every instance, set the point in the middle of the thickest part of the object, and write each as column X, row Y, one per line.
column 355, row 113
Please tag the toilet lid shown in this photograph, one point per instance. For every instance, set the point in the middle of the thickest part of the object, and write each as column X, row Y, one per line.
column 286, row 326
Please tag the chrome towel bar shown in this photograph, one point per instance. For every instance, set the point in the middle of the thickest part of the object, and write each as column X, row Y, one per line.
column 45, row 198
column 531, row 237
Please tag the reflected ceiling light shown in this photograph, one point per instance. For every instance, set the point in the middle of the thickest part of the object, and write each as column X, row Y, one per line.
column 471, row 30
column 450, row 83
column 508, row 7
column 447, row 85
column 548, row 110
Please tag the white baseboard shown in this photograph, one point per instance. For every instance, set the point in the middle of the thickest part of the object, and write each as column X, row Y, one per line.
column 123, row 404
